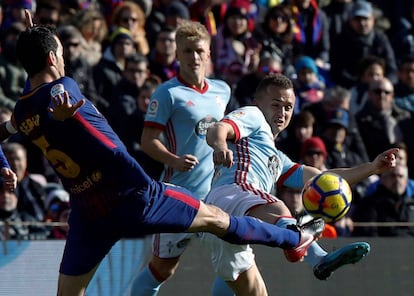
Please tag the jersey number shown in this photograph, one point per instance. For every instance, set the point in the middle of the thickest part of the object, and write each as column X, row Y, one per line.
column 62, row 163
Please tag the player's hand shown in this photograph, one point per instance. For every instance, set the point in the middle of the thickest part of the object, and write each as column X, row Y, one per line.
column 385, row 161
column 9, row 178
column 223, row 156
column 28, row 19
column 185, row 163
column 62, row 108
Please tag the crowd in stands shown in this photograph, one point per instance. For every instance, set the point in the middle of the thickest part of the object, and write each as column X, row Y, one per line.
column 351, row 62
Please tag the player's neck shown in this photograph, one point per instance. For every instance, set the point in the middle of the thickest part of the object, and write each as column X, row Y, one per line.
column 42, row 78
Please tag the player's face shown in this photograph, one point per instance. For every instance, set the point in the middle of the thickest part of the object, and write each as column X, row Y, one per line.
column 194, row 57
column 277, row 107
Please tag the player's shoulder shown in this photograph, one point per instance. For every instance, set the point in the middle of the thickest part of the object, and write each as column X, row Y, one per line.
column 219, row 83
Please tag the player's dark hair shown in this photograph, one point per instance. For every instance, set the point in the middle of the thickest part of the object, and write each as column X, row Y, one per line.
column 33, row 48
column 278, row 80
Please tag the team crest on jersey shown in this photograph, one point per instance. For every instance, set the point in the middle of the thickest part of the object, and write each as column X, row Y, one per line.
column 202, row 126
column 57, row 89
column 153, row 108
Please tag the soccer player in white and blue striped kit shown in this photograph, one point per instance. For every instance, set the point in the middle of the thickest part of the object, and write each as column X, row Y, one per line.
column 248, row 167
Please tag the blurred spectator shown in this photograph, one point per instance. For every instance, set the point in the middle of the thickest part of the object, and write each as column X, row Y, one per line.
column 389, row 203
column 402, row 158
column 136, row 120
column 108, row 72
column 9, row 214
column 12, row 74
column 125, row 94
column 163, row 62
column 334, row 98
column 338, row 13
column 275, row 34
column 298, row 132
column 209, row 13
column 57, row 210
column 30, row 187
column 366, row 40
column 130, row 16
column 47, row 13
column 311, row 32
column 403, row 37
column 292, row 197
column 309, row 86
column 76, row 66
column 313, row 153
column 334, row 136
column 175, row 13
column 92, row 25
column 235, row 51
column 404, row 88
column 156, row 20
column 14, row 12
column 369, row 69
column 246, row 86
column 380, row 120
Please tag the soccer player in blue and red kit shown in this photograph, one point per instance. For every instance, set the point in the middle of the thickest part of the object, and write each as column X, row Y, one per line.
column 111, row 196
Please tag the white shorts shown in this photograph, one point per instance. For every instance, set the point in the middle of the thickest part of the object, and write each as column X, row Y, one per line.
column 230, row 260
column 171, row 245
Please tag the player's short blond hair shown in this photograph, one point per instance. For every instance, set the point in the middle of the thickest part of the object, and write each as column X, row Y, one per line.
column 190, row 30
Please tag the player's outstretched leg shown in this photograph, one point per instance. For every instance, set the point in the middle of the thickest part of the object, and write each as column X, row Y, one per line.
column 349, row 254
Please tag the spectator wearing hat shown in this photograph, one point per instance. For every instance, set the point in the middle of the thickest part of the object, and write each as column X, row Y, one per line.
column 313, row 153
column 334, row 136
column 131, row 16
column 309, row 86
column 175, row 13
column 235, row 51
column 108, row 72
column 359, row 39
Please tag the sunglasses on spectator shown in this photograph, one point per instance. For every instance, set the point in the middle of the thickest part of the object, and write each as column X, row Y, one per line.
column 269, row 70
column 379, row 91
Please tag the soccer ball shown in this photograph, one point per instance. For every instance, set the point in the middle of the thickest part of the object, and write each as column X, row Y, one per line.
column 327, row 196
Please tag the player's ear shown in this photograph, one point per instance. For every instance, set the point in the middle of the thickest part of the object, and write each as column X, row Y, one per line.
column 51, row 58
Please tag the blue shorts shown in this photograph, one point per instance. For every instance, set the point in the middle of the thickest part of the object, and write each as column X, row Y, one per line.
column 159, row 208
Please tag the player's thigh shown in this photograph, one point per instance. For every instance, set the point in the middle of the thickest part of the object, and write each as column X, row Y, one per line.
column 69, row 285
column 249, row 283
column 269, row 212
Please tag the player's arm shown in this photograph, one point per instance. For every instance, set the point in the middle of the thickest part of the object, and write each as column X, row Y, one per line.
column 381, row 163
column 151, row 145
column 217, row 137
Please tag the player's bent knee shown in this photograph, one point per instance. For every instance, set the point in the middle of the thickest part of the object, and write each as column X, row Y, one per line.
column 210, row 219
